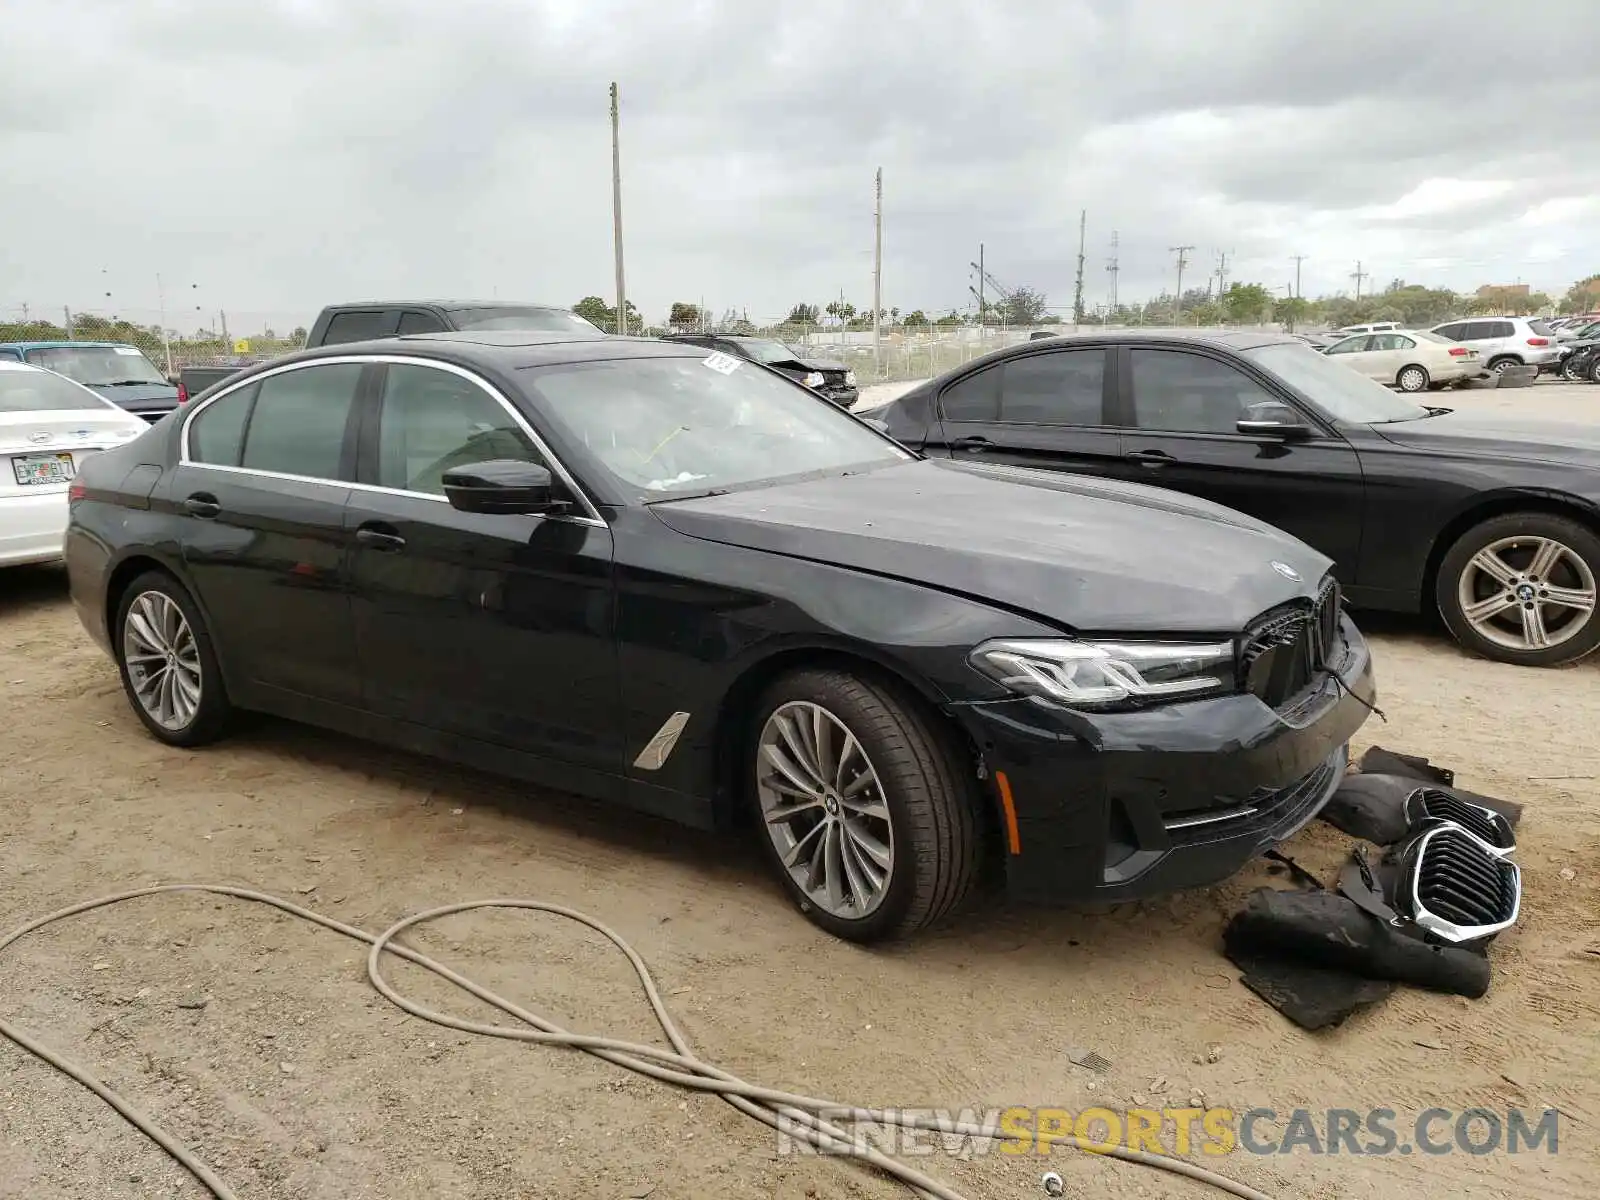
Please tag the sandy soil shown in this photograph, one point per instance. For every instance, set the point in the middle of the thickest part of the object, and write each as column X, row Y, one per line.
column 294, row 1080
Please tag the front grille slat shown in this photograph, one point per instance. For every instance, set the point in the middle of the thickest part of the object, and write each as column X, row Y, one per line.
column 1287, row 648
column 1462, row 889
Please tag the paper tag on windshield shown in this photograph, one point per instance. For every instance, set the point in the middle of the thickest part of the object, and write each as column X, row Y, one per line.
column 126, row 350
column 725, row 364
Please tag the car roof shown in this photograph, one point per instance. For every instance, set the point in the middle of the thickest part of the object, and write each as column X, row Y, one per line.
column 447, row 305
column 505, row 349
column 55, row 345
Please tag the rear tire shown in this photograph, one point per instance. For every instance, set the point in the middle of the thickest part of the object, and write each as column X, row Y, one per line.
column 1412, row 379
column 168, row 665
column 1500, row 365
column 873, row 842
column 1517, row 580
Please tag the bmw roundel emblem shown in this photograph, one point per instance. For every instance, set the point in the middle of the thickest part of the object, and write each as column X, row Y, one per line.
column 1286, row 571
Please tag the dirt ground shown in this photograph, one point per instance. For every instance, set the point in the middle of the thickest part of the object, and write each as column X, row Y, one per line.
column 258, row 1041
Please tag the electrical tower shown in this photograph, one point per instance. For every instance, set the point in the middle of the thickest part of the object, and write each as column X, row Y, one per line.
column 1183, row 261
column 1113, row 267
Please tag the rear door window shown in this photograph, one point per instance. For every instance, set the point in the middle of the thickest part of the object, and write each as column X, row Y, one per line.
column 1064, row 387
column 298, row 424
column 216, row 435
column 975, row 398
column 359, row 326
column 419, row 322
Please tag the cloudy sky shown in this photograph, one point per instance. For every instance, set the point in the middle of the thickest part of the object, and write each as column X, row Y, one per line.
column 270, row 156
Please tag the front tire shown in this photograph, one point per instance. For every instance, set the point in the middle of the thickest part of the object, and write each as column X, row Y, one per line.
column 864, row 810
column 1521, row 588
column 167, row 662
column 1412, row 379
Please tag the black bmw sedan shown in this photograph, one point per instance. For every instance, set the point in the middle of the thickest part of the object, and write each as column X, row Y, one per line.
column 1493, row 521
column 628, row 570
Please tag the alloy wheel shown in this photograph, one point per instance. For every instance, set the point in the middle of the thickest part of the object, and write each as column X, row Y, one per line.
column 1413, row 379
column 1527, row 593
column 824, row 808
column 163, row 660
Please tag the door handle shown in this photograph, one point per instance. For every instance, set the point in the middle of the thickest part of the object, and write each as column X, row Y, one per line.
column 1150, row 459
column 204, row 505
column 380, row 539
column 973, row 443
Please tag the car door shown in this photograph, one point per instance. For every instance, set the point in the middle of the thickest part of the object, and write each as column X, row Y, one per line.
column 1355, row 352
column 1046, row 409
column 1180, row 409
column 496, row 627
column 1386, row 354
column 260, row 488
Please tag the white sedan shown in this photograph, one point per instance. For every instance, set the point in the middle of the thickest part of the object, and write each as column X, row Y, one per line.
column 48, row 426
column 1412, row 360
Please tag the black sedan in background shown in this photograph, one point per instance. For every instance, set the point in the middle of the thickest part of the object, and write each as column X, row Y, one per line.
column 1492, row 520
column 826, row 376
column 630, row 570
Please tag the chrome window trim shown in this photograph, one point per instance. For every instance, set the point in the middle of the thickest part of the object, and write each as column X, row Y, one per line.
column 591, row 512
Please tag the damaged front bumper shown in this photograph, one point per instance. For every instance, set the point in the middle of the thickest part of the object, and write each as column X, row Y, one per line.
column 1101, row 807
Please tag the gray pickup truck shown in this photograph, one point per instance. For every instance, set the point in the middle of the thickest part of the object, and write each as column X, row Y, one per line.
column 370, row 320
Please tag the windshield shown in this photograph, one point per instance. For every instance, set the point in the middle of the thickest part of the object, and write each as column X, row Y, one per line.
column 1542, row 328
column 521, row 320
column 1431, row 336
column 686, row 426
column 769, row 352
column 98, row 366
column 40, row 391
column 1344, row 394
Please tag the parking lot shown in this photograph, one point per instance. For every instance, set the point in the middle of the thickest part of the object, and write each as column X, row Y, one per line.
column 259, row 1042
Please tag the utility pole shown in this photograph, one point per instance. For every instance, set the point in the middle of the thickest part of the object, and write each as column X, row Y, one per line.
column 25, row 319
column 1298, row 259
column 982, row 314
column 1358, row 275
column 1113, row 267
column 1222, row 273
column 66, row 315
column 877, row 271
column 1183, row 261
column 166, row 342
column 616, row 210
column 1077, row 291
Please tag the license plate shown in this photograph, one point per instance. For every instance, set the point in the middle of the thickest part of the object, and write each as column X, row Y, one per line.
column 33, row 470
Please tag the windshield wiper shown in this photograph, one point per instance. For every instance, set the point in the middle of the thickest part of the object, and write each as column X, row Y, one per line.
column 130, row 383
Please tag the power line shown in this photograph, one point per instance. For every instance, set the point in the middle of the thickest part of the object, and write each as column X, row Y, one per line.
column 1183, row 261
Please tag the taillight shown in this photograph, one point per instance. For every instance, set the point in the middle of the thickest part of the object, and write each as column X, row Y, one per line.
column 183, row 394
column 1457, row 351
column 1538, row 341
column 76, row 491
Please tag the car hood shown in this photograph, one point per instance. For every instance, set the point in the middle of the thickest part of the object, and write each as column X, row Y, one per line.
column 1086, row 554
column 144, row 397
column 1498, row 436
column 809, row 364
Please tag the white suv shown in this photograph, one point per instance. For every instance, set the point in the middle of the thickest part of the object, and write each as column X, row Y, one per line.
column 1503, row 342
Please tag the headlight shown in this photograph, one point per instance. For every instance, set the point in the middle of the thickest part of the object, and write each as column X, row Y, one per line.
column 849, row 379
column 813, row 380
column 1096, row 674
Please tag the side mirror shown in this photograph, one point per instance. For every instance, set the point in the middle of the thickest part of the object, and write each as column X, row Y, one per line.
column 1274, row 421
column 502, row 486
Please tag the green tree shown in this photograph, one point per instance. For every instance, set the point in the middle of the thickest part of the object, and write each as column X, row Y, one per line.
column 683, row 315
column 915, row 317
column 1582, row 296
column 596, row 311
column 803, row 314
column 1245, row 302
column 1025, row 306
column 842, row 309
column 1292, row 310
column 951, row 318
